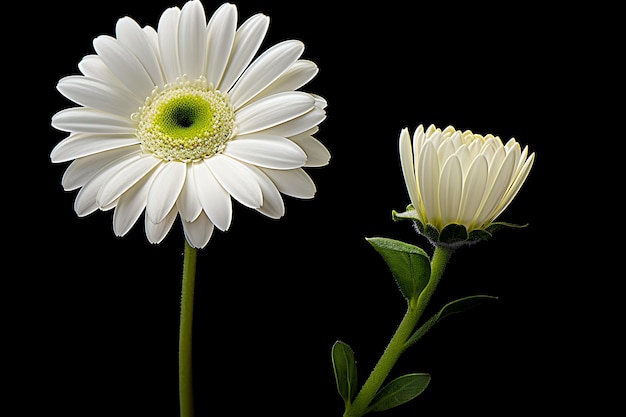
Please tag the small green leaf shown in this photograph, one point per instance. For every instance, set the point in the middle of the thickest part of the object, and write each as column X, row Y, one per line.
column 456, row 306
column 495, row 226
column 344, row 367
column 453, row 233
column 409, row 264
column 399, row 391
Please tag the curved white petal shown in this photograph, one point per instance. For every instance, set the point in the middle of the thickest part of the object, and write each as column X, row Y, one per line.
column 515, row 187
column 137, row 40
column 156, row 232
column 125, row 65
column 90, row 92
column 237, row 179
column 82, row 119
column 408, row 167
column 265, row 150
column 214, row 199
column 300, row 124
column 450, row 190
column 317, row 155
column 220, row 38
column 165, row 189
column 273, row 204
column 428, row 178
column 130, row 206
column 79, row 172
column 188, row 204
column 124, row 178
column 273, row 110
column 248, row 39
column 167, row 30
column 294, row 182
column 198, row 232
column 474, row 188
column 264, row 70
column 92, row 66
column 301, row 72
column 192, row 39
column 78, row 145
column 497, row 187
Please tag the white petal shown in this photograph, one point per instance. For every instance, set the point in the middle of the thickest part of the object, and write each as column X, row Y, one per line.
column 273, row 110
column 192, row 39
column 294, row 182
column 517, row 184
column 125, row 65
column 83, row 144
column 81, row 119
column 130, row 206
column 428, row 178
column 124, row 178
column 221, row 35
column 168, row 43
column 79, row 172
column 450, row 190
column 90, row 92
column 265, row 150
column 273, row 204
column 215, row 200
column 300, row 73
column 156, row 232
column 300, row 124
column 139, row 42
column 165, row 189
column 248, row 39
column 199, row 232
column 473, row 189
column 317, row 155
column 496, row 189
column 92, row 66
column 188, row 204
column 237, row 179
column 264, row 70
column 408, row 168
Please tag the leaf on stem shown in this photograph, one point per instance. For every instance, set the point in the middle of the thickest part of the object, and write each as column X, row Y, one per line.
column 399, row 391
column 409, row 264
column 344, row 367
column 456, row 306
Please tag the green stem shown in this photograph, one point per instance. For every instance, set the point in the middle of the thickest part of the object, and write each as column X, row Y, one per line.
column 404, row 331
column 186, row 320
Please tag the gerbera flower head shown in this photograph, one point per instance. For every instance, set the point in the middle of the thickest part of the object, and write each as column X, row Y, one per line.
column 177, row 121
column 459, row 182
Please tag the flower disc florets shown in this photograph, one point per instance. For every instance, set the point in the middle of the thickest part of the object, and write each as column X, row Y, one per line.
column 186, row 121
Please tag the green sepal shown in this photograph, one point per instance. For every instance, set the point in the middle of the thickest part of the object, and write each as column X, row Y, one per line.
column 495, row 226
column 409, row 264
column 399, row 391
column 344, row 367
column 453, row 307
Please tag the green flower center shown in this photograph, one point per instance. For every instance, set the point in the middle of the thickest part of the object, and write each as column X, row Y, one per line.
column 185, row 121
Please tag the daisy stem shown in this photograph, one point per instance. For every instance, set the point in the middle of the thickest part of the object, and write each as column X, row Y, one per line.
column 397, row 344
column 186, row 321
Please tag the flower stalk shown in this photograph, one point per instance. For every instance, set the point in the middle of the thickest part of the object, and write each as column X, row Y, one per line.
column 398, row 343
column 185, row 381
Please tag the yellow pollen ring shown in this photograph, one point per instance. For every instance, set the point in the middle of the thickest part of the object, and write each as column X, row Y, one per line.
column 185, row 121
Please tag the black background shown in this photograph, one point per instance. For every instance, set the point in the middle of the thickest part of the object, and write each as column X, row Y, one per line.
column 101, row 312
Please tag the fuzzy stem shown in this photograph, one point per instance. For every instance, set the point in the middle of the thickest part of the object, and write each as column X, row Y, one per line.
column 186, row 321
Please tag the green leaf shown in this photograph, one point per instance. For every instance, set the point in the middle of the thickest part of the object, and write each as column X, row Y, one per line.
column 399, row 391
column 344, row 367
column 453, row 307
column 453, row 233
column 409, row 264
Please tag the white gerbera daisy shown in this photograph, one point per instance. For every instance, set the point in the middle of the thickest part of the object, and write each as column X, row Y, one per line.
column 460, row 178
column 181, row 119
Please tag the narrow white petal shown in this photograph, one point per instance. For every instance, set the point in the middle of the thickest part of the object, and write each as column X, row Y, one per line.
column 156, row 232
column 165, row 189
column 450, row 190
column 428, row 178
column 220, row 38
column 496, row 189
column 78, row 145
column 130, row 206
column 82, row 119
column 188, row 204
column 125, row 65
column 273, row 204
column 90, row 92
column 237, row 179
column 473, row 189
column 168, row 43
column 264, row 70
column 301, row 72
column 138, row 41
column 273, row 110
column 199, row 232
column 248, row 39
column 294, row 182
column 214, row 199
column 317, row 155
column 408, row 168
column 300, row 124
column 265, row 150
column 515, row 187
column 79, row 172
column 125, row 177
column 192, row 39
column 92, row 66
